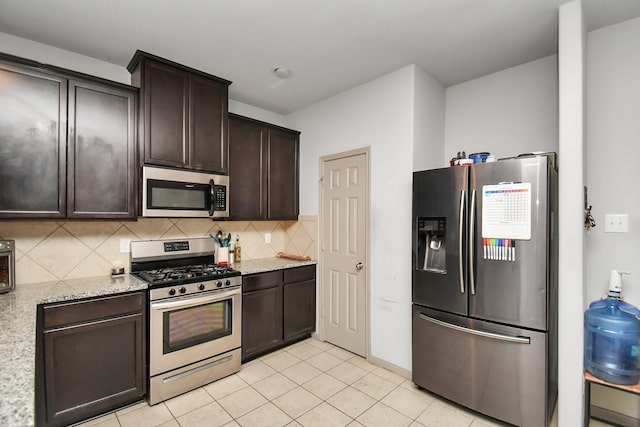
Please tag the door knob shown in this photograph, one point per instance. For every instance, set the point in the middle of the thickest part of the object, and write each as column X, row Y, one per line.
column 359, row 266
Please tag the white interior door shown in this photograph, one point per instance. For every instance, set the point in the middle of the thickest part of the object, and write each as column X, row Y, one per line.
column 343, row 222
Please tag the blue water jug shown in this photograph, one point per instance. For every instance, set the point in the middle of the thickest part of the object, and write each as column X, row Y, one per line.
column 612, row 341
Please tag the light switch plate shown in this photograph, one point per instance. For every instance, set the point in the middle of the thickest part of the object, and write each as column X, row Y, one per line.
column 125, row 245
column 616, row 223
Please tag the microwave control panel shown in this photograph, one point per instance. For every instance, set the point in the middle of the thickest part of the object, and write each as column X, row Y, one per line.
column 220, row 198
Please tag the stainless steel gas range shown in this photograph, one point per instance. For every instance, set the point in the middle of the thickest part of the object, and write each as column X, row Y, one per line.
column 195, row 312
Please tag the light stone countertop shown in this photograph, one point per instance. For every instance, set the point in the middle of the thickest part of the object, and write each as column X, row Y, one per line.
column 18, row 334
column 18, row 328
column 261, row 265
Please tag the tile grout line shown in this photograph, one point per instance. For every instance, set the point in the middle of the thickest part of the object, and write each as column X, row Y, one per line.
column 262, row 360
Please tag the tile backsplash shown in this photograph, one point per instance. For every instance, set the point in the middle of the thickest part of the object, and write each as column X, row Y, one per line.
column 54, row 250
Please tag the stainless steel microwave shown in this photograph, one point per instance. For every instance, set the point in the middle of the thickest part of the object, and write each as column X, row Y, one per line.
column 179, row 193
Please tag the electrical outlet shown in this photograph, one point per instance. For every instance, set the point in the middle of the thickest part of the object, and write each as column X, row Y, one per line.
column 267, row 237
column 616, row 223
column 125, row 246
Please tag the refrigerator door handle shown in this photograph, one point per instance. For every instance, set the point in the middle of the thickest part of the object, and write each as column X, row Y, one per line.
column 460, row 240
column 492, row 335
column 472, row 229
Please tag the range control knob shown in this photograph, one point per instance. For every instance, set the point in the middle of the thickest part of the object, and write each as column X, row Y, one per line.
column 172, row 291
column 227, row 282
column 219, row 284
column 201, row 287
column 182, row 290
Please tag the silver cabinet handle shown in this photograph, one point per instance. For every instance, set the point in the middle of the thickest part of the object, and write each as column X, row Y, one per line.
column 359, row 266
column 472, row 218
column 519, row 340
column 460, row 234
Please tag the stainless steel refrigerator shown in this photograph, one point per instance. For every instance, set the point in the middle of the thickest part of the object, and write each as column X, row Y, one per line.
column 485, row 287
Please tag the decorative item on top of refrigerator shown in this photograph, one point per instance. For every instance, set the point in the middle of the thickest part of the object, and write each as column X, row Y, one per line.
column 612, row 336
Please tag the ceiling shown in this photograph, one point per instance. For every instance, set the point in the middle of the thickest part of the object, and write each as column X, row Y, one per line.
column 330, row 45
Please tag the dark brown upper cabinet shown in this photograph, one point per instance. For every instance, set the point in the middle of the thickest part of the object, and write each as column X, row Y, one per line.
column 183, row 115
column 33, row 126
column 101, row 151
column 263, row 171
column 67, row 144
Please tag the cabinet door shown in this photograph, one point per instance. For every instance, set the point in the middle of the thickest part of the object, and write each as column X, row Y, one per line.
column 299, row 309
column 283, row 175
column 247, row 170
column 165, row 115
column 208, row 125
column 33, row 111
column 261, row 321
column 92, row 368
column 101, row 157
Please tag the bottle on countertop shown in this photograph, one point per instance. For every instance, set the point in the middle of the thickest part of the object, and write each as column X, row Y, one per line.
column 232, row 252
column 237, row 249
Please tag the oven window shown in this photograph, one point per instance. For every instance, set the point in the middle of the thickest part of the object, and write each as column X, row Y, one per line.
column 4, row 270
column 196, row 325
column 178, row 195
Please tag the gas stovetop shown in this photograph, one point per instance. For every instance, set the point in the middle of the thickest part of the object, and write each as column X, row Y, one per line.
column 186, row 274
column 163, row 263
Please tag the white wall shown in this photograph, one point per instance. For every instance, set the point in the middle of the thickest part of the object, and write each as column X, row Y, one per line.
column 571, row 71
column 379, row 115
column 612, row 153
column 613, row 150
column 505, row 113
column 247, row 110
column 63, row 58
column 429, row 119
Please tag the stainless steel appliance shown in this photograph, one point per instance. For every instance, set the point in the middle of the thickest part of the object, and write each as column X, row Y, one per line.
column 195, row 313
column 485, row 287
column 7, row 265
column 181, row 193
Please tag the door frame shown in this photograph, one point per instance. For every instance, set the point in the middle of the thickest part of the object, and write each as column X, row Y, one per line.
column 321, row 225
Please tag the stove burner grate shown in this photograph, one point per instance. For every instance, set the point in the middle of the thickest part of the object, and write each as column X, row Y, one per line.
column 189, row 272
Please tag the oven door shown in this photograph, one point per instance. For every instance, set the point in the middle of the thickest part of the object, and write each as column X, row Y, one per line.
column 185, row 330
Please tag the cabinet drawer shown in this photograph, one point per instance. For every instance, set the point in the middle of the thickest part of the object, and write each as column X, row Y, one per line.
column 259, row 281
column 88, row 310
column 299, row 274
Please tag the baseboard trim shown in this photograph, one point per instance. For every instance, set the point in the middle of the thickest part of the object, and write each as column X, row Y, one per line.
column 378, row 362
column 613, row 417
column 390, row 366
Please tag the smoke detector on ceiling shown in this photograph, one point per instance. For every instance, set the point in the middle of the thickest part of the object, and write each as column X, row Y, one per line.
column 282, row 72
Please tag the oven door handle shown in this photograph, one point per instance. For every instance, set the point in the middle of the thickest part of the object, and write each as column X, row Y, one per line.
column 189, row 302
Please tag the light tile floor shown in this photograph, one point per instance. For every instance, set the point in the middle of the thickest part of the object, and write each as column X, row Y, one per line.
column 311, row 383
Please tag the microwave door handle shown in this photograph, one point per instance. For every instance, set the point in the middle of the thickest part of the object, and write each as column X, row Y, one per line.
column 212, row 207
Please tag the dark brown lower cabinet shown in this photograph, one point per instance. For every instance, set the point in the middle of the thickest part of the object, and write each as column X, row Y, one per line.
column 299, row 309
column 261, row 321
column 90, row 357
column 278, row 308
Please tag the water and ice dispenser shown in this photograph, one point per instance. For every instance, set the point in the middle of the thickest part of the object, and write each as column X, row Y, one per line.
column 432, row 245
